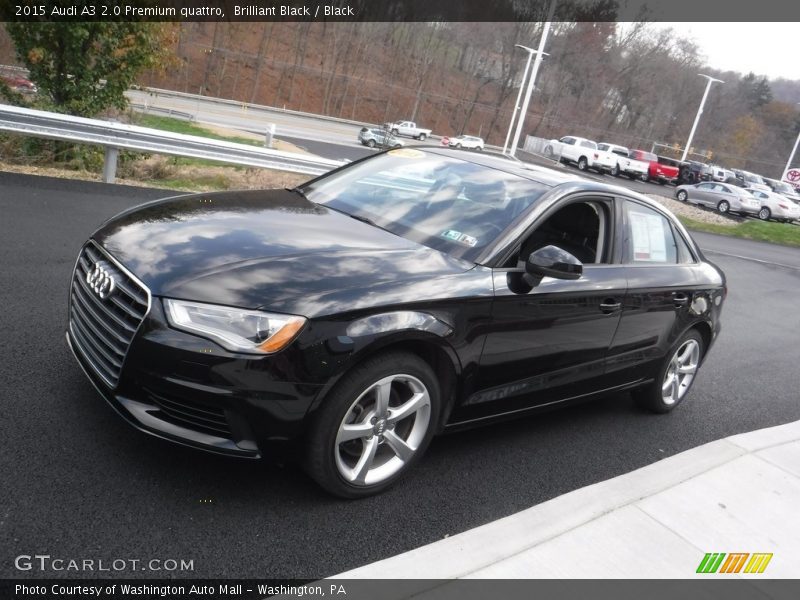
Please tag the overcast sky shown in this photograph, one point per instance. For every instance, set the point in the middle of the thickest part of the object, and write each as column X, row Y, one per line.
column 769, row 49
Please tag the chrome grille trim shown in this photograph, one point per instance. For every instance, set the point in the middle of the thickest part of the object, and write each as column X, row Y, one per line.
column 102, row 330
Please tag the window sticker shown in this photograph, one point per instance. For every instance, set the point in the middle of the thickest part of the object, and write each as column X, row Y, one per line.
column 461, row 238
column 407, row 153
column 648, row 236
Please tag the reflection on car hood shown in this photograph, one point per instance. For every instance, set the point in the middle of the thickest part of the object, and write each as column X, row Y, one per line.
column 271, row 249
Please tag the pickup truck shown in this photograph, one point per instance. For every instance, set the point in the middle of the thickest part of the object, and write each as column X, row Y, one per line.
column 618, row 160
column 693, row 171
column 656, row 170
column 571, row 149
column 408, row 128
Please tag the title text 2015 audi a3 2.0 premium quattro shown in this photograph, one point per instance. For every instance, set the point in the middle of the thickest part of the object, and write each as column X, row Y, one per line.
column 351, row 319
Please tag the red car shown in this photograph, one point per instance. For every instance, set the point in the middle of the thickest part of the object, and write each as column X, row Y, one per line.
column 19, row 84
column 658, row 171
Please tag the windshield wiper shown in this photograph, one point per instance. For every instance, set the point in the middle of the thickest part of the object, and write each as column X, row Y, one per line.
column 297, row 191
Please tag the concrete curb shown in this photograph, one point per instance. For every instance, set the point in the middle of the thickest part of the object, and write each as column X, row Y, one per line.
column 629, row 505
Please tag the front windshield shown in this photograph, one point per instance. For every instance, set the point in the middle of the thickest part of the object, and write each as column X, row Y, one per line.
column 443, row 202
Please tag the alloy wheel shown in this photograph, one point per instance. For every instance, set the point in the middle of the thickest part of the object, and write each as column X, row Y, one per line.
column 382, row 430
column 680, row 372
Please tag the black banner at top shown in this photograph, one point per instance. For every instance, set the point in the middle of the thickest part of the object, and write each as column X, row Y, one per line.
column 400, row 10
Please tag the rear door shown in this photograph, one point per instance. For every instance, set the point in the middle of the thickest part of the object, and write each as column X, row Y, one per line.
column 661, row 275
column 703, row 193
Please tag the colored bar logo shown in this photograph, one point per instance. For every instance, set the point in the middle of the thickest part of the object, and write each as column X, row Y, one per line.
column 719, row 562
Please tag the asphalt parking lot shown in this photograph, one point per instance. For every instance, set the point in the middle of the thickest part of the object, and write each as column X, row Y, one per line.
column 78, row 482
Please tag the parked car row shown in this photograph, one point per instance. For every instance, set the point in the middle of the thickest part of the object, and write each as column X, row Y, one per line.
column 728, row 198
column 616, row 160
column 727, row 190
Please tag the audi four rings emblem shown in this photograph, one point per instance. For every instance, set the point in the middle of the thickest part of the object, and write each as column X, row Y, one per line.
column 101, row 281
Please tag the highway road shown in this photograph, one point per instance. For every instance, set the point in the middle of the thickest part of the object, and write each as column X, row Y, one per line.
column 336, row 140
column 78, row 482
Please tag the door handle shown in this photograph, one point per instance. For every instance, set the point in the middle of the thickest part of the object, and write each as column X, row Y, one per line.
column 680, row 299
column 609, row 305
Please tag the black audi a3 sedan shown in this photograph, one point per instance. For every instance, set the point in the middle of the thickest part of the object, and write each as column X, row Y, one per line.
column 349, row 320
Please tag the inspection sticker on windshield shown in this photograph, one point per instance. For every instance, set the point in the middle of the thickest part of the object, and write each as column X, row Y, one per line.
column 407, row 153
column 461, row 238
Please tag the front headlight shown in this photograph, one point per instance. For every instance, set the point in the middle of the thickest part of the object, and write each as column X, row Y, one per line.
column 236, row 329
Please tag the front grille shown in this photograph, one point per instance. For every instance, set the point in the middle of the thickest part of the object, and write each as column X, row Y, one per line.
column 199, row 417
column 102, row 329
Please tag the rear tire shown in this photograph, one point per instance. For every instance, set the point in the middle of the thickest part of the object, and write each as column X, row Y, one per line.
column 583, row 163
column 371, row 143
column 387, row 411
column 615, row 170
column 422, row 137
column 394, row 131
column 764, row 214
column 723, row 207
column 675, row 376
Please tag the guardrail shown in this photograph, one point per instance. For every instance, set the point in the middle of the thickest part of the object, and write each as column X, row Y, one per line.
column 118, row 136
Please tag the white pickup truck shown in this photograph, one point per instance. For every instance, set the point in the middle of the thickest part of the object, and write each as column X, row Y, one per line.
column 408, row 128
column 616, row 160
column 572, row 149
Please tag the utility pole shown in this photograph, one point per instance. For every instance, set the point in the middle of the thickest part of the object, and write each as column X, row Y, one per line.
column 532, row 80
column 699, row 112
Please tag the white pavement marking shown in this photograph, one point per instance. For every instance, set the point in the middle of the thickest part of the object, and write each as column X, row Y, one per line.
column 750, row 258
column 739, row 494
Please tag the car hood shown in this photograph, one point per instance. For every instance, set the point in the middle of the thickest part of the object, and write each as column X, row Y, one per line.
column 267, row 249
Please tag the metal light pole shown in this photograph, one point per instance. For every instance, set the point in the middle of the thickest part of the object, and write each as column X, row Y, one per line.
column 531, row 52
column 532, row 80
column 791, row 156
column 699, row 112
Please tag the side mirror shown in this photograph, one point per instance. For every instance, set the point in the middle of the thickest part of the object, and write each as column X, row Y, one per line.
column 551, row 261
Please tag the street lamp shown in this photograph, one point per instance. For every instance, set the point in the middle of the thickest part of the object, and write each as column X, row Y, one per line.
column 539, row 53
column 531, row 52
column 699, row 112
column 791, row 156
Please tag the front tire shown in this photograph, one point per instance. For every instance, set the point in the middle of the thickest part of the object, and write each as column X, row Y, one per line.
column 675, row 377
column 683, row 196
column 615, row 171
column 723, row 207
column 764, row 214
column 374, row 426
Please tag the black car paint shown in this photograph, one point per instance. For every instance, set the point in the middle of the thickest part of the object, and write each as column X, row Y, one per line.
column 363, row 290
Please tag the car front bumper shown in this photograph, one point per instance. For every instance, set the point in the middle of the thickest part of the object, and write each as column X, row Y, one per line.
column 187, row 390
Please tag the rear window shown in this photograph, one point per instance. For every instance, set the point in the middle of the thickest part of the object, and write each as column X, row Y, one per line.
column 588, row 144
column 642, row 155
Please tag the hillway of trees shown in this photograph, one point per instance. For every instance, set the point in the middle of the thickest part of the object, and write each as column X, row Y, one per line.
column 635, row 84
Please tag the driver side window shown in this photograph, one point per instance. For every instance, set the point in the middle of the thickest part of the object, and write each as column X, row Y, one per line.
column 581, row 228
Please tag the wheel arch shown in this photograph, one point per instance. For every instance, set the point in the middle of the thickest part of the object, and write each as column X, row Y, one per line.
column 431, row 348
column 704, row 328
